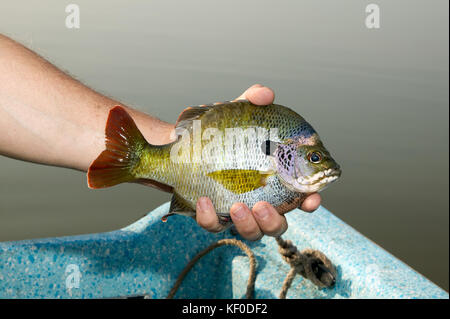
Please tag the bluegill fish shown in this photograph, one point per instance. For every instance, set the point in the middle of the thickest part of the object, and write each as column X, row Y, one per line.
column 230, row 152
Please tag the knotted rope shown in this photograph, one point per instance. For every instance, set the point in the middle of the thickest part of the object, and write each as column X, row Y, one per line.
column 311, row 264
column 222, row 242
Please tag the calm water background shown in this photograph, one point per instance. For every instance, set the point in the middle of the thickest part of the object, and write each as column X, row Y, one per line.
column 378, row 98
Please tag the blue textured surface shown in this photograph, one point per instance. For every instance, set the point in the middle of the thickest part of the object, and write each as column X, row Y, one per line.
column 147, row 256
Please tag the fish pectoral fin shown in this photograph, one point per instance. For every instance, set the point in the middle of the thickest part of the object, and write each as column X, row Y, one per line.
column 178, row 205
column 241, row 181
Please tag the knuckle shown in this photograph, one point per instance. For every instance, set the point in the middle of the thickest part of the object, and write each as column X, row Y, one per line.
column 277, row 233
column 216, row 229
column 252, row 236
column 249, row 232
column 208, row 223
column 272, row 231
column 256, row 237
column 275, row 228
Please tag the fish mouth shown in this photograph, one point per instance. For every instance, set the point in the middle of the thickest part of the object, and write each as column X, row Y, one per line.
column 314, row 183
column 320, row 178
column 317, row 182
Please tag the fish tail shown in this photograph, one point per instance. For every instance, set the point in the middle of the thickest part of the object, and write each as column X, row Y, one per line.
column 124, row 144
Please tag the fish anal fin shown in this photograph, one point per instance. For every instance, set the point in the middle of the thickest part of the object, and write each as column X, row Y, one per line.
column 178, row 205
column 155, row 184
column 241, row 181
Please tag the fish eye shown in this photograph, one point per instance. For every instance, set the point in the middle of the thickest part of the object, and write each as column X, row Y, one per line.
column 315, row 157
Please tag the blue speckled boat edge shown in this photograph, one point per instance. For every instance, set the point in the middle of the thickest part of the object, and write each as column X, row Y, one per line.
column 147, row 256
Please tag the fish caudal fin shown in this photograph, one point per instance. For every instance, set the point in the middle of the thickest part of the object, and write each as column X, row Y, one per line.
column 124, row 143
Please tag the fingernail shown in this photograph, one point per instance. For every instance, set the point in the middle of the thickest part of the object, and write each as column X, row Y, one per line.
column 263, row 212
column 239, row 213
column 205, row 205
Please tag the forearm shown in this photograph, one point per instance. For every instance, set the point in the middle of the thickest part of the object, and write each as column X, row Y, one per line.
column 48, row 117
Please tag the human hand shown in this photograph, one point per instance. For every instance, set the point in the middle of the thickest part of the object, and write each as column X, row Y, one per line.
column 263, row 219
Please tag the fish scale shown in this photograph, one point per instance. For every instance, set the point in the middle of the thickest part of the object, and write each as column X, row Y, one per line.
column 190, row 181
column 231, row 164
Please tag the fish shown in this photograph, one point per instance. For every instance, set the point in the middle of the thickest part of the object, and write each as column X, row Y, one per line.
column 230, row 152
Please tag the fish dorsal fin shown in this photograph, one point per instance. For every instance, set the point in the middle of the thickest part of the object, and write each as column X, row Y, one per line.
column 191, row 113
column 241, row 181
column 194, row 112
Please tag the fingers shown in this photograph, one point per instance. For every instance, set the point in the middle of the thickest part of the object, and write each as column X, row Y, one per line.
column 252, row 225
column 243, row 96
column 206, row 215
column 258, row 94
column 245, row 223
column 262, row 220
column 311, row 203
column 269, row 221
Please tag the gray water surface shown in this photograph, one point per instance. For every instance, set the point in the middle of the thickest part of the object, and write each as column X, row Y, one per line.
column 378, row 98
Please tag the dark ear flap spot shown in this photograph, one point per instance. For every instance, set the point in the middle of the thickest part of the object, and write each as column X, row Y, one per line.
column 268, row 147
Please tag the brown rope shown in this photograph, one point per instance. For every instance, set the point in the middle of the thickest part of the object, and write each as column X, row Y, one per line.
column 287, row 283
column 222, row 242
column 290, row 254
column 311, row 264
